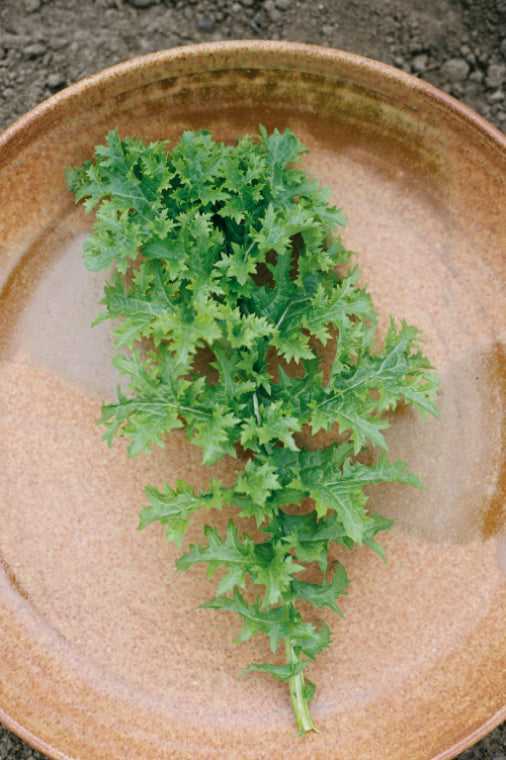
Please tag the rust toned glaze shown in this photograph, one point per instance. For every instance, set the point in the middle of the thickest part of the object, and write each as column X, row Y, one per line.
column 103, row 653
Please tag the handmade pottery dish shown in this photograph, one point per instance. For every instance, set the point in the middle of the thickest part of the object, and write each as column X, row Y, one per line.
column 103, row 652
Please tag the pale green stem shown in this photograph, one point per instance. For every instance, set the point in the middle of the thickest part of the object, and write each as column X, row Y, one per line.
column 299, row 701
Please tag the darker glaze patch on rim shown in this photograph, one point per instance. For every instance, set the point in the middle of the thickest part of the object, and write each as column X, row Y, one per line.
column 263, row 55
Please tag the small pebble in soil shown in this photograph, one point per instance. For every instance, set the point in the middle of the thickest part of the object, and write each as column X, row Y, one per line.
column 455, row 70
column 271, row 10
column 141, row 3
column 56, row 81
column 35, row 50
column 419, row 63
column 30, row 6
column 496, row 75
column 206, row 23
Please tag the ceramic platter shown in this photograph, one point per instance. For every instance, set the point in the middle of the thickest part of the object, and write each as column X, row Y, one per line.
column 103, row 656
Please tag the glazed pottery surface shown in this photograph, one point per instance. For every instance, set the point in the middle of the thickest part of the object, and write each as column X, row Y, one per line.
column 103, row 652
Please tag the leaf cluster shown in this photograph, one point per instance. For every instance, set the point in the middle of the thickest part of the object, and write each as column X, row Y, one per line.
column 227, row 278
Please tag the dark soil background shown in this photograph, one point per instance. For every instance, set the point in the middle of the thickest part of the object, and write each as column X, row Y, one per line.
column 457, row 45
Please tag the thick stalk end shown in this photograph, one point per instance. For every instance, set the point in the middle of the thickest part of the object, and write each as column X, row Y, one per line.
column 298, row 697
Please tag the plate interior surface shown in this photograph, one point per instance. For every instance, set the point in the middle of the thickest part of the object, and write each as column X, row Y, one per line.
column 104, row 654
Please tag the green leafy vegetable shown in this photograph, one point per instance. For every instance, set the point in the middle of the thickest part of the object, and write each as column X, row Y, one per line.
column 234, row 250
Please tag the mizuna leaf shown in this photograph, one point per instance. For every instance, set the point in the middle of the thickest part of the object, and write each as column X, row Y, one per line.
column 281, row 672
column 173, row 507
column 225, row 279
column 234, row 553
column 274, row 569
column 323, row 594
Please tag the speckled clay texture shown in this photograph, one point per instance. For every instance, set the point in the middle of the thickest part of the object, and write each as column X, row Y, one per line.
column 103, row 652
